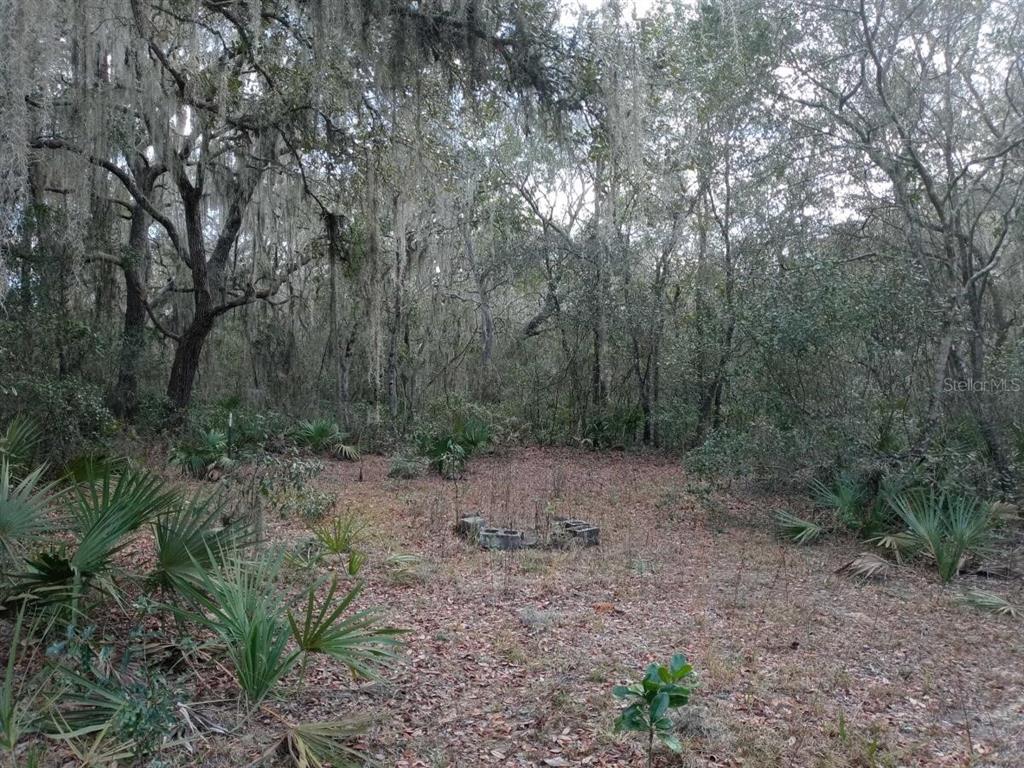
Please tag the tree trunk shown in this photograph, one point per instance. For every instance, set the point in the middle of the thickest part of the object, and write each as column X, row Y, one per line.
column 186, row 362
column 136, row 271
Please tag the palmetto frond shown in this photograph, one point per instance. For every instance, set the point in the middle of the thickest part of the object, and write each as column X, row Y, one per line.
column 23, row 507
column 796, row 529
column 190, row 539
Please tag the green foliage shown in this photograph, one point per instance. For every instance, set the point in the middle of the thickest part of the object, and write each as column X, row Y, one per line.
column 341, row 534
column 616, row 428
column 23, row 506
column 948, row 527
column 247, row 430
column 846, row 496
column 238, row 603
column 310, row 504
column 67, row 414
column 190, row 540
column 663, row 688
column 19, row 442
column 19, row 698
column 356, row 561
column 405, row 467
column 104, row 511
column 107, row 697
column 323, row 435
column 203, row 453
column 449, row 450
column 796, row 529
column 356, row 641
column 108, row 507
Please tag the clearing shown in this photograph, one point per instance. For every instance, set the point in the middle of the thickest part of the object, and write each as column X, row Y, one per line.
column 510, row 656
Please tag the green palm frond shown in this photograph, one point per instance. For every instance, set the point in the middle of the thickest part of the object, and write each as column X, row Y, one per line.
column 341, row 534
column 845, row 495
column 947, row 527
column 108, row 508
column 346, row 452
column 19, row 441
column 356, row 641
column 202, row 454
column 189, row 539
column 796, row 529
column 867, row 565
column 238, row 603
column 23, row 506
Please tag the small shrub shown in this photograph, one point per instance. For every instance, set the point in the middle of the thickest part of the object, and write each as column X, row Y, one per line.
column 663, row 688
column 310, row 504
column 356, row 641
column 339, row 536
column 846, row 496
column 323, row 435
column 448, row 451
column 404, row 467
column 107, row 701
column 238, row 603
column 947, row 527
column 202, row 454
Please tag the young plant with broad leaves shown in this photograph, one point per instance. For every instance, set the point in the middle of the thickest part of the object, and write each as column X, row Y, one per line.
column 663, row 688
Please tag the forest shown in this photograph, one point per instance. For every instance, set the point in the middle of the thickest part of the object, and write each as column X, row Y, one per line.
column 447, row 383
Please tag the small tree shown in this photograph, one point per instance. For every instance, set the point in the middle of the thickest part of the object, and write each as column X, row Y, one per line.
column 662, row 688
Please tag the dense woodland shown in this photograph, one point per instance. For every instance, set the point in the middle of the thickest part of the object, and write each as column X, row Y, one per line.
column 779, row 240
column 779, row 234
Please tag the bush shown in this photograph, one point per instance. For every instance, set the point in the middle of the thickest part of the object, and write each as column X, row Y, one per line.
column 405, row 467
column 323, row 435
column 449, row 450
column 946, row 526
column 202, row 454
column 69, row 413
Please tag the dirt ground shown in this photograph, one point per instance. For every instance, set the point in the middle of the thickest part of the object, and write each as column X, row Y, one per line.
column 510, row 658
